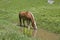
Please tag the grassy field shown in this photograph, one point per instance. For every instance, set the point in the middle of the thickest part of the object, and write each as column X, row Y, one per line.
column 47, row 17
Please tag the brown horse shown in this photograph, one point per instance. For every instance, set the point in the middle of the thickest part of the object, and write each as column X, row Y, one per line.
column 28, row 17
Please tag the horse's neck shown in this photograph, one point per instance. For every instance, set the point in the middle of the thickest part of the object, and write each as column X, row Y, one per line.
column 32, row 17
column 33, row 20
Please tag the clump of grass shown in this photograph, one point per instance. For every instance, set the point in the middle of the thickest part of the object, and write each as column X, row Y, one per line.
column 27, row 32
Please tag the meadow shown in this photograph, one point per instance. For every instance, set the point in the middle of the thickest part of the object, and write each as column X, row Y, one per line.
column 47, row 17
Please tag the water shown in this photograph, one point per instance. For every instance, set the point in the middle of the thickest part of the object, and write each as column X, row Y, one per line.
column 41, row 33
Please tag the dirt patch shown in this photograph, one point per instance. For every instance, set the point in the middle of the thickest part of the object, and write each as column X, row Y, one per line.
column 45, row 35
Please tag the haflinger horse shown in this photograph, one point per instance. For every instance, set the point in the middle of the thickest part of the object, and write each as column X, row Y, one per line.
column 28, row 17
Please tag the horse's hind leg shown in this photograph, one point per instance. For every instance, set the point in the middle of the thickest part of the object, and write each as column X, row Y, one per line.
column 24, row 22
column 20, row 20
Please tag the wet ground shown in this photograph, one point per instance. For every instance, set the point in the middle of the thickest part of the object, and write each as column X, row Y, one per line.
column 44, row 35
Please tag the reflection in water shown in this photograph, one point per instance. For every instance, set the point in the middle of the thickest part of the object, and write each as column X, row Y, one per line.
column 28, row 32
column 34, row 33
column 42, row 34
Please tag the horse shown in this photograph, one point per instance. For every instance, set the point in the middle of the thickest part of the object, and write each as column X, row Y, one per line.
column 28, row 17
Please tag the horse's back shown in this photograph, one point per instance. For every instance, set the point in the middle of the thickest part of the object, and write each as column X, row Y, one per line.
column 25, row 14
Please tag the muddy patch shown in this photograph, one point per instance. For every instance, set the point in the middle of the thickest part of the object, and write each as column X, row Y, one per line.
column 41, row 33
column 45, row 35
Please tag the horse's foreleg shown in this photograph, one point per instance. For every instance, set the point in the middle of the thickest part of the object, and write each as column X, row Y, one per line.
column 28, row 24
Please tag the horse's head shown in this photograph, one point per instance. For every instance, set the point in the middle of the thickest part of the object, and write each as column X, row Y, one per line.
column 35, row 26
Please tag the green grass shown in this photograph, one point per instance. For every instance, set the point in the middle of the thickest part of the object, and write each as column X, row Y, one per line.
column 47, row 17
